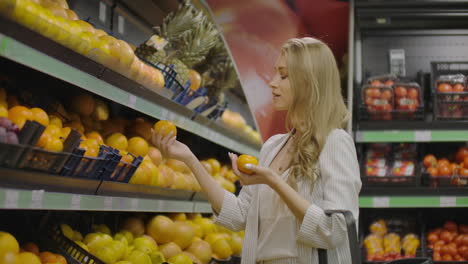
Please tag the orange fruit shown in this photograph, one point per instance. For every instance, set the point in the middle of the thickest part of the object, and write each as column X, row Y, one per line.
column 40, row 116
column 96, row 136
column 195, row 80
column 8, row 243
column 19, row 114
column 91, row 146
column 138, row 146
column 215, row 166
column 44, row 140
column 31, row 247
column 53, row 130
column 118, row 141
column 60, row 259
column 47, row 257
column 55, row 144
column 141, row 176
column 65, row 131
column 244, row 160
column 165, row 127
column 30, row 258
column 55, row 120
column 3, row 111
column 10, row 257
column 125, row 157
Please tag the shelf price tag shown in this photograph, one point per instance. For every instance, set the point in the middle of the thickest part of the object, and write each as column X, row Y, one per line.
column 102, row 12
column 131, row 101
column 75, row 201
column 422, row 136
column 448, row 201
column 107, row 203
column 36, row 198
column 11, row 200
column 381, row 202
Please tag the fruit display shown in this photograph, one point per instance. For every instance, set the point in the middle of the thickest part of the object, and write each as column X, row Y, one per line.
column 451, row 94
column 449, row 242
column 386, row 98
column 175, row 238
column 55, row 20
column 384, row 245
column 28, row 253
column 390, row 163
column 444, row 171
column 236, row 122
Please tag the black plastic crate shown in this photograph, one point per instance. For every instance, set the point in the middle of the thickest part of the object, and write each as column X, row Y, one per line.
column 169, row 74
column 42, row 160
column 82, row 166
column 449, row 105
column 10, row 154
column 69, row 249
column 444, row 181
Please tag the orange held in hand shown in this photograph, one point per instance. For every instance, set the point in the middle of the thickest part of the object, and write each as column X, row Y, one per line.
column 165, row 127
column 244, row 160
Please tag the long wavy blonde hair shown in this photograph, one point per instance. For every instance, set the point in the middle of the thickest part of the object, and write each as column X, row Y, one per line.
column 317, row 105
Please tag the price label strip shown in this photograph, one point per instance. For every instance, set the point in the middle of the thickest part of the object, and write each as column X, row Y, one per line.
column 448, row 201
column 11, row 199
column 381, row 202
column 36, row 199
column 75, row 201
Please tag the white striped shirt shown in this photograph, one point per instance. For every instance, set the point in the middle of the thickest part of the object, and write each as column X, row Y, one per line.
column 337, row 187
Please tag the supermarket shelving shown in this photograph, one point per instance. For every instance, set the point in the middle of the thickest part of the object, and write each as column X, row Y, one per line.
column 33, row 190
column 368, row 136
column 62, row 63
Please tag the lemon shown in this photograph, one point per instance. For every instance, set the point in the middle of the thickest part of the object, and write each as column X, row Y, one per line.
column 8, row 243
column 124, row 234
column 138, row 257
column 106, row 254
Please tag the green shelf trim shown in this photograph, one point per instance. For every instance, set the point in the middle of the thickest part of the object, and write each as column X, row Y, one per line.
column 412, row 201
column 450, row 135
column 411, row 136
column 23, row 54
column 39, row 199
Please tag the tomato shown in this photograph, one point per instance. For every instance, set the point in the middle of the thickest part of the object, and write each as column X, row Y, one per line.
column 433, row 171
column 438, row 231
column 447, row 257
column 437, row 248
column 457, row 257
column 436, row 256
column 452, row 249
column 369, row 100
column 375, row 93
column 465, row 240
column 465, row 162
column 465, row 255
column 443, row 161
column 432, row 238
column 444, row 88
column 446, row 236
column 463, row 229
column 454, row 168
column 461, row 154
column 464, row 173
column 444, row 249
column 387, row 107
column 462, row 250
column 389, row 83
column 450, row 226
column 458, row 88
column 376, row 83
column 413, row 93
column 429, row 160
column 401, row 91
column 444, row 170
column 458, row 240
column 387, row 95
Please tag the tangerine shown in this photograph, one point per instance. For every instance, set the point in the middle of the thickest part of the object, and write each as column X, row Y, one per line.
column 138, row 146
column 55, row 144
column 165, row 128
column 55, row 120
column 118, row 141
column 40, row 116
column 244, row 160
column 19, row 114
column 96, row 136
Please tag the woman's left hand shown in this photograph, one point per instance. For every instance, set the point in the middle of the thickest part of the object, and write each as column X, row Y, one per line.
column 260, row 175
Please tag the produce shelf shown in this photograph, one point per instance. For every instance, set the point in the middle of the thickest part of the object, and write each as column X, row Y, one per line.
column 60, row 62
column 371, row 136
column 40, row 199
column 412, row 201
column 32, row 190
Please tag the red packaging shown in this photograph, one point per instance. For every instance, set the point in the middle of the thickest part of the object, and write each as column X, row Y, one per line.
column 452, row 97
column 378, row 101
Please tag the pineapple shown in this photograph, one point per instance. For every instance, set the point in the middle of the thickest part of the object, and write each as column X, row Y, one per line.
column 190, row 35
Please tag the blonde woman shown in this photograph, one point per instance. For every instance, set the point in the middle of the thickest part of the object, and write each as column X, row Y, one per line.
column 301, row 174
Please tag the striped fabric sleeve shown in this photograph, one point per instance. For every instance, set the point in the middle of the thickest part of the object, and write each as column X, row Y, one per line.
column 341, row 184
column 233, row 213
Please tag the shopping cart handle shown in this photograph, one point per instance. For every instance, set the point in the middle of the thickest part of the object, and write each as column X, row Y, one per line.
column 352, row 238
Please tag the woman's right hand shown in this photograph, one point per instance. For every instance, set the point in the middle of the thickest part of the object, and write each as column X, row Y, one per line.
column 170, row 147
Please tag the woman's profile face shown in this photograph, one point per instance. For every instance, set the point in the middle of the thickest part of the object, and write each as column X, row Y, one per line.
column 280, row 85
